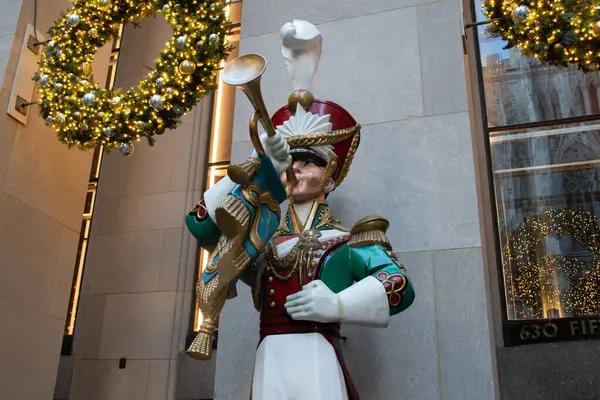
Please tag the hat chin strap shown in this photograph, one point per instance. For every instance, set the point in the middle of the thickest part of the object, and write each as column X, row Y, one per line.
column 328, row 175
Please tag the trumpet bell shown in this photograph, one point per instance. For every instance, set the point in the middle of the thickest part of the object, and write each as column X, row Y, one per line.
column 243, row 69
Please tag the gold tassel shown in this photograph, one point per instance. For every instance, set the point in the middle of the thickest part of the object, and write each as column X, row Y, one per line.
column 244, row 172
column 201, row 347
column 232, row 216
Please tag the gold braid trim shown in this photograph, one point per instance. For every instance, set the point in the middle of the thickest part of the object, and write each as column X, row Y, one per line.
column 349, row 157
column 369, row 238
column 370, row 230
column 322, row 138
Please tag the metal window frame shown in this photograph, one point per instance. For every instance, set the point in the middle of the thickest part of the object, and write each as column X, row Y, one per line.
column 507, row 332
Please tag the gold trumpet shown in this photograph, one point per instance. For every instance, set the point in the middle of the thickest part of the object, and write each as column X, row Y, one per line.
column 245, row 72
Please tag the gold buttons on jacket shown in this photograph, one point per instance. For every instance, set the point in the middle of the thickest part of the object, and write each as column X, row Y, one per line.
column 271, row 292
column 270, row 279
column 272, row 304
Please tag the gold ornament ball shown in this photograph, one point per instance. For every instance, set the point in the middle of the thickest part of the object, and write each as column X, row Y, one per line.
column 597, row 27
column 160, row 130
column 77, row 115
column 86, row 68
column 94, row 32
column 100, row 115
column 187, row 67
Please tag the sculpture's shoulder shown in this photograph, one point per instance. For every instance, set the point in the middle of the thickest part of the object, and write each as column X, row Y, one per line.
column 370, row 230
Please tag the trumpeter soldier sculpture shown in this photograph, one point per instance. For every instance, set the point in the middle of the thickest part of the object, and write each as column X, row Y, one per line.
column 308, row 274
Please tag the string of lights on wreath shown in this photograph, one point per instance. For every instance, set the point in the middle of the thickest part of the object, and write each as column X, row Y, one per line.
column 534, row 278
column 568, row 281
column 557, row 32
column 524, row 240
column 84, row 115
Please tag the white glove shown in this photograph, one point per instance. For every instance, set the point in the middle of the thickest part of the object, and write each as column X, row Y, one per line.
column 364, row 303
column 278, row 150
column 315, row 302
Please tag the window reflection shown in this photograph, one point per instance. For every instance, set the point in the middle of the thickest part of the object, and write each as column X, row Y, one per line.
column 548, row 200
column 521, row 90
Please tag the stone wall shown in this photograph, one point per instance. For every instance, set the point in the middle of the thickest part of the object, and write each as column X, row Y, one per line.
column 42, row 192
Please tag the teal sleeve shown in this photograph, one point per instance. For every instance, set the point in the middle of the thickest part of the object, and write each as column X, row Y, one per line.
column 202, row 227
column 374, row 260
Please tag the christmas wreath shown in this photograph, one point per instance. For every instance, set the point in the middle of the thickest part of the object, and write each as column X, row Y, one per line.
column 85, row 115
column 531, row 278
column 557, row 32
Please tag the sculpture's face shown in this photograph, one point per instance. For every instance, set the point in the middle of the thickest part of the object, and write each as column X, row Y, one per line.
column 310, row 175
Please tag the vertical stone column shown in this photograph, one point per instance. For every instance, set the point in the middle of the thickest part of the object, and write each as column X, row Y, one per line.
column 398, row 67
column 138, row 279
column 42, row 192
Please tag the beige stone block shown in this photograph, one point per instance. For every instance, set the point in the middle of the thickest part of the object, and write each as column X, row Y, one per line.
column 88, row 328
column 387, row 87
column 140, row 49
column 266, row 16
column 103, row 380
column 124, row 263
column 10, row 49
column 419, row 174
column 159, row 378
column 10, row 16
column 47, row 175
column 106, row 216
column 8, row 134
column 442, row 59
column 183, row 152
column 153, row 211
column 29, row 348
column 149, row 171
column 29, row 245
column 25, row 16
column 138, row 326
column 170, row 262
column 63, row 274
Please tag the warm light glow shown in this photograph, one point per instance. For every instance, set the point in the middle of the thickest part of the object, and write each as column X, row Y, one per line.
column 77, row 288
column 217, row 118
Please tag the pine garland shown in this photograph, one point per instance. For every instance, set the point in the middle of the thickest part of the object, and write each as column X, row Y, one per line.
column 85, row 115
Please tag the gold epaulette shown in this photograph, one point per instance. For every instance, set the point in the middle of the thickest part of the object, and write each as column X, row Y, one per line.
column 370, row 230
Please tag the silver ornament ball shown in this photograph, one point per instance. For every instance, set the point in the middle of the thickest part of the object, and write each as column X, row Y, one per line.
column 84, row 82
column 44, row 80
column 156, row 101
column 213, row 37
column 520, row 12
column 60, row 119
column 160, row 82
column 166, row 8
column 140, row 125
column 89, row 99
column 180, row 42
column 126, row 149
column 49, row 120
column 170, row 90
column 109, row 132
column 94, row 32
column 104, row 3
column 73, row 19
column 115, row 102
column 58, row 87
